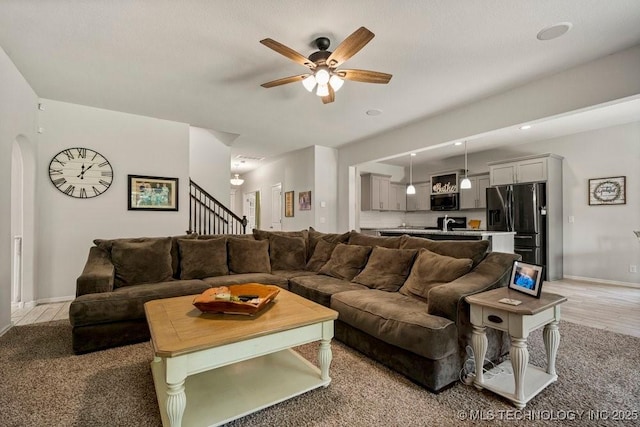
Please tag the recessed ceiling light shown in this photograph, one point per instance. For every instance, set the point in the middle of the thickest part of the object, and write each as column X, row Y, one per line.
column 554, row 31
column 525, row 127
column 374, row 112
column 457, row 143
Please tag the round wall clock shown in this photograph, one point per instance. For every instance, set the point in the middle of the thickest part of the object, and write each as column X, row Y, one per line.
column 80, row 172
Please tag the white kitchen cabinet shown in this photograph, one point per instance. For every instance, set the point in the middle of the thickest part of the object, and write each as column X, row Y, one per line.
column 397, row 197
column 526, row 169
column 476, row 196
column 421, row 201
column 374, row 192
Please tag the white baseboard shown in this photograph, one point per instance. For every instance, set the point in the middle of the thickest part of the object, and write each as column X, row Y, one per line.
column 604, row 282
column 6, row 329
column 55, row 299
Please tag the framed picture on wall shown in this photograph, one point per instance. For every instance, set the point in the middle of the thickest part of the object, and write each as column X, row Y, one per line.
column 305, row 200
column 288, row 203
column 607, row 191
column 152, row 193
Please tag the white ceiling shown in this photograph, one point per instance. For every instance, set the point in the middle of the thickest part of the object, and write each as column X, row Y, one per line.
column 200, row 61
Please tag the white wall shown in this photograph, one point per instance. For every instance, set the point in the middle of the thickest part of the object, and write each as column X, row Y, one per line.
column 579, row 87
column 209, row 164
column 325, row 200
column 18, row 106
column 134, row 145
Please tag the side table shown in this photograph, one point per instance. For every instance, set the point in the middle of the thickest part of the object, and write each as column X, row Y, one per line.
column 528, row 380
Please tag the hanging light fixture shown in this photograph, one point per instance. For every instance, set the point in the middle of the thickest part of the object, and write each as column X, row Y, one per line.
column 411, row 189
column 465, row 184
column 323, row 79
column 236, row 180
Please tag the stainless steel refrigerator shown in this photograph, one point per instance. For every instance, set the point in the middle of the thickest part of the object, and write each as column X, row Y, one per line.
column 521, row 208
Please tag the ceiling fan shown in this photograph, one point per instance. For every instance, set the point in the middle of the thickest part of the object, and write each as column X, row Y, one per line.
column 323, row 65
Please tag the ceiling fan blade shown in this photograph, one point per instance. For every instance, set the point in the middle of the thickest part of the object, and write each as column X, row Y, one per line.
column 350, row 46
column 365, row 76
column 284, row 80
column 329, row 98
column 288, row 52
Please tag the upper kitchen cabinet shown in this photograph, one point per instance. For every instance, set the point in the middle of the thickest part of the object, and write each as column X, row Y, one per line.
column 397, row 197
column 420, row 201
column 524, row 169
column 374, row 192
column 476, row 196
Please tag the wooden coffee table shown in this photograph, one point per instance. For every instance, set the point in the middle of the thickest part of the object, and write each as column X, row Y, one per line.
column 209, row 369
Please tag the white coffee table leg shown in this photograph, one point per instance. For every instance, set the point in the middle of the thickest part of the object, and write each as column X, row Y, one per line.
column 551, row 337
column 519, row 360
column 324, row 358
column 479, row 343
column 176, row 403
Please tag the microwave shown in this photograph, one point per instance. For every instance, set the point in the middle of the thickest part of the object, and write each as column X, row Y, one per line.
column 445, row 202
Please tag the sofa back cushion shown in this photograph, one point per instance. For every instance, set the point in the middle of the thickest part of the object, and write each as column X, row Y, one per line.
column 346, row 261
column 316, row 236
column 356, row 238
column 107, row 245
column 147, row 261
column 248, row 256
column 217, row 236
column 430, row 270
column 287, row 253
column 476, row 250
column 203, row 258
column 321, row 255
column 386, row 269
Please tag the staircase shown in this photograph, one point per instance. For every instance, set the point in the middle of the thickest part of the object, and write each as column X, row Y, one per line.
column 209, row 216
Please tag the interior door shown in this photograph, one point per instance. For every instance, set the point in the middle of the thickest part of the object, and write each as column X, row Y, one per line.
column 249, row 209
column 276, row 207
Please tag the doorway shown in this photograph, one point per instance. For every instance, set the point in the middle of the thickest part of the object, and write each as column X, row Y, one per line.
column 251, row 209
column 276, row 207
column 17, row 208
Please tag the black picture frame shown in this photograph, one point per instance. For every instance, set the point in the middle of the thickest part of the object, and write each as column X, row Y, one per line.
column 152, row 193
column 526, row 278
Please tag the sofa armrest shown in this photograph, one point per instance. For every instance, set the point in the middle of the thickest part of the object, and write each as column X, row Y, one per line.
column 493, row 272
column 98, row 273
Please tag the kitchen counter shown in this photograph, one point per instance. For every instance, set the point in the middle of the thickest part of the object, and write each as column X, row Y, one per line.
column 499, row 241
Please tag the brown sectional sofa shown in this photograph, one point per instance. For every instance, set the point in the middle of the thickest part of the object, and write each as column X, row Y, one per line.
column 400, row 299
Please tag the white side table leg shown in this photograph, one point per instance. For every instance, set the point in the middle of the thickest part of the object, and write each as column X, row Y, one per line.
column 176, row 403
column 519, row 361
column 324, row 358
column 479, row 343
column 551, row 337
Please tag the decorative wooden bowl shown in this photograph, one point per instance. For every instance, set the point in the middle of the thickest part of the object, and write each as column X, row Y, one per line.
column 209, row 301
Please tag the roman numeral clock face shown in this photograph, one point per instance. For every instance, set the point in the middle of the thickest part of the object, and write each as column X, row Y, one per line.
column 80, row 172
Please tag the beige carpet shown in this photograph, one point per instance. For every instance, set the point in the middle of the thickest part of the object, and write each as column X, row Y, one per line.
column 44, row 384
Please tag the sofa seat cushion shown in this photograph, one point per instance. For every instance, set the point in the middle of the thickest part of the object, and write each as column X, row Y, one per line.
column 319, row 288
column 238, row 279
column 398, row 320
column 127, row 303
column 288, row 274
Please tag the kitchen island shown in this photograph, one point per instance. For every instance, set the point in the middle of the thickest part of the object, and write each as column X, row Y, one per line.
column 499, row 241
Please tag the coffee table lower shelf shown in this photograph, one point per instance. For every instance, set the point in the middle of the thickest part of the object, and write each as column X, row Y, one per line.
column 224, row 394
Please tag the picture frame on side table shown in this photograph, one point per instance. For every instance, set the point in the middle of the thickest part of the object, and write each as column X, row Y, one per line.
column 152, row 193
column 608, row 191
column 305, row 200
column 288, row 204
column 526, row 278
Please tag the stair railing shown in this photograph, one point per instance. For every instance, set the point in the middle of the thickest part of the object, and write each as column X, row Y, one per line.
column 208, row 216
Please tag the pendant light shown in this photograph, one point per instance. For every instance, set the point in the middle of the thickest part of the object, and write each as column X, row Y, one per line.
column 411, row 189
column 465, row 184
column 236, row 180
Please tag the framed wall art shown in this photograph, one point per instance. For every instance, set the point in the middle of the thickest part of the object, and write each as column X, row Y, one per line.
column 607, row 191
column 288, row 203
column 152, row 193
column 526, row 278
column 305, row 200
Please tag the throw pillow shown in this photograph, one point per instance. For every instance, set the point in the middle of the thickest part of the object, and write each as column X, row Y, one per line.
column 203, row 258
column 430, row 270
column 248, row 256
column 141, row 262
column 346, row 261
column 287, row 253
column 316, row 236
column 386, row 269
column 356, row 238
column 474, row 249
column 321, row 255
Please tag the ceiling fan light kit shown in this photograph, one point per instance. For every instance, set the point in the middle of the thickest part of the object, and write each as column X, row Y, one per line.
column 324, row 76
